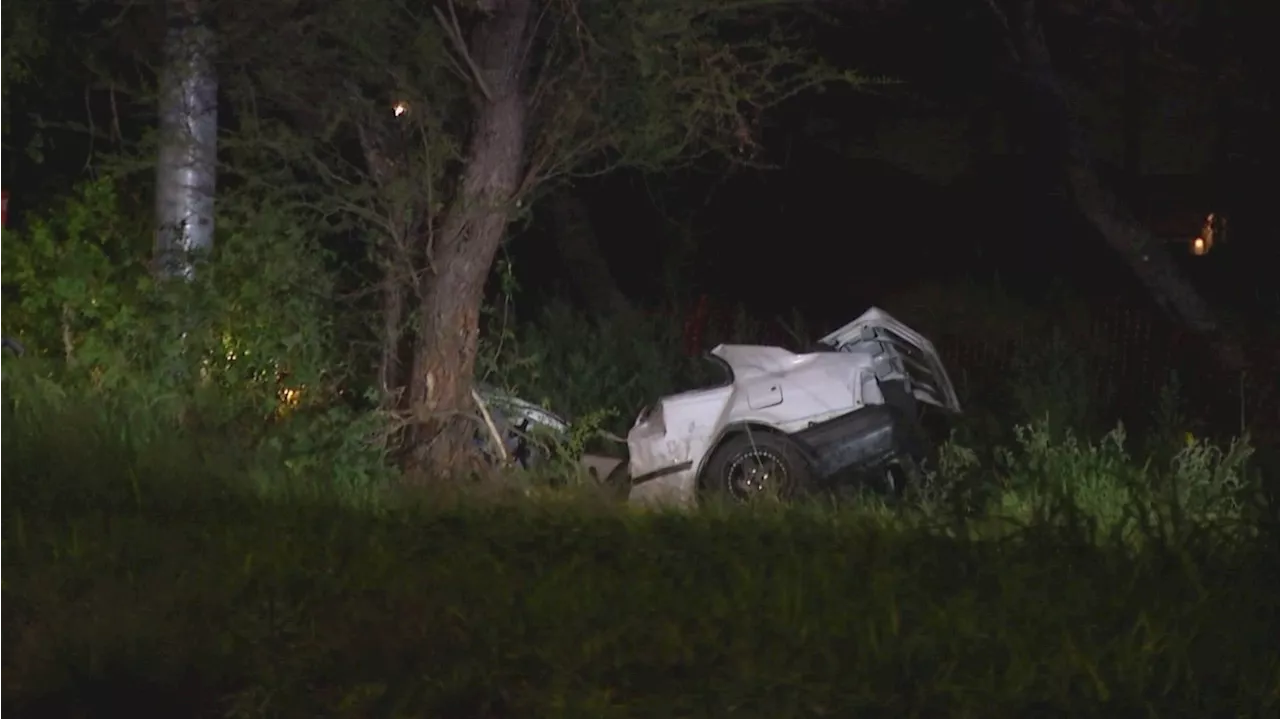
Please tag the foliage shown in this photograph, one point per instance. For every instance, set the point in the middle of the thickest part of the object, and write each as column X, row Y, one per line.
column 245, row 355
column 192, row 516
column 306, row 605
column 1053, row 574
column 575, row 365
column 379, row 104
column 1058, row 382
column 643, row 83
column 1052, row 476
column 25, row 44
column 651, row 84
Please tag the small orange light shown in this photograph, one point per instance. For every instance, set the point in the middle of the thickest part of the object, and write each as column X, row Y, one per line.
column 1198, row 246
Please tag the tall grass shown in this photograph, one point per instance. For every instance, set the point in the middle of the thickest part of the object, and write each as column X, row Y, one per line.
column 143, row 567
column 1045, row 570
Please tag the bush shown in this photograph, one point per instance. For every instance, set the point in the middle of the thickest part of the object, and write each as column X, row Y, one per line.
column 1098, row 487
column 578, row 365
column 243, row 359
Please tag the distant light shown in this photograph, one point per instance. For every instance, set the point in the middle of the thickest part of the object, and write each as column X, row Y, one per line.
column 1210, row 231
column 400, row 108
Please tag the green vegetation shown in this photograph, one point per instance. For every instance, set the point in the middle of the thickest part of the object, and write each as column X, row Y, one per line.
column 180, row 534
column 144, row 581
column 202, row 514
column 145, row 567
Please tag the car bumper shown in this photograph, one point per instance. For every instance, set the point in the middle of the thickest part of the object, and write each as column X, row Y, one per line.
column 674, row 486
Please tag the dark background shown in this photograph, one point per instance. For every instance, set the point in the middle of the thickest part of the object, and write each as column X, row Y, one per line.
column 908, row 184
column 859, row 196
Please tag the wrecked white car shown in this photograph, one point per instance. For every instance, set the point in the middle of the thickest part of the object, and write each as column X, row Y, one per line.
column 785, row 423
column 517, row 422
column 517, row 432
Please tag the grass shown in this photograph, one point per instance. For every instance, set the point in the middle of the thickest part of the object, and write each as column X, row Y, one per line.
column 261, row 568
column 137, row 577
column 1045, row 574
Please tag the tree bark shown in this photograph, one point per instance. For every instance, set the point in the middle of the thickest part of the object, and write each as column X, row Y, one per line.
column 1028, row 56
column 449, row 310
column 391, row 341
column 186, row 166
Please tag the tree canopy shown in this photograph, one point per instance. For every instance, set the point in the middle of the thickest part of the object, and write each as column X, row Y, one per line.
column 417, row 131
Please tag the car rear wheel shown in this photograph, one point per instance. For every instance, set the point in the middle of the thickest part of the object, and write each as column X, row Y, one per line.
column 755, row 466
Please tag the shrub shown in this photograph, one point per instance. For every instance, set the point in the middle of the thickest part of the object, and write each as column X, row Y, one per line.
column 578, row 365
column 1058, row 478
column 244, row 358
column 195, row 600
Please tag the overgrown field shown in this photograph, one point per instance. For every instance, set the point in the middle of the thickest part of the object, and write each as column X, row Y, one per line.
column 149, row 575
column 212, row 527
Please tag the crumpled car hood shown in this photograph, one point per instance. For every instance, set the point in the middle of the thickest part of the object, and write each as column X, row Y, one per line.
column 874, row 330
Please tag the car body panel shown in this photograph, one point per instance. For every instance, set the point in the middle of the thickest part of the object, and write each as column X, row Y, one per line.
column 515, row 418
column 517, row 421
column 774, row 389
column 877, row 328
column 520, row 412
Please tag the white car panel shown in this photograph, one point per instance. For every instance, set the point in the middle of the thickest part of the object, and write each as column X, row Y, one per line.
column 876, row 324
column 771, row 386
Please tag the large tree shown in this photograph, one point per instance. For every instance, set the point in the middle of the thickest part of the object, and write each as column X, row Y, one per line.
column 1047, row 122
column 1051, row 122
column 435, row 123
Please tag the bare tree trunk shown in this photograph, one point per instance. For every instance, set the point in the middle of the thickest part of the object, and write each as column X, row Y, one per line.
column 449, row 321
column 186, row 169
column 1029, row 56
column 579, row 249
column 391, row 340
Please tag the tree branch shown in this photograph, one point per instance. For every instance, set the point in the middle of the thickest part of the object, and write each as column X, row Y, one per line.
column 1029, row 58
column 453, row 29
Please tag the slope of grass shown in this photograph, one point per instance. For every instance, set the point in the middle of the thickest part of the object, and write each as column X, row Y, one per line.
column 146, row 578
column 145, row 572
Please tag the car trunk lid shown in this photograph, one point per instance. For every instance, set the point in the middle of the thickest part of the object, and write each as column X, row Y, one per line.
column 897, row 347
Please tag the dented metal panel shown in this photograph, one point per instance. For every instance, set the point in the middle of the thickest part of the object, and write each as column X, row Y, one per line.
column 787, row 392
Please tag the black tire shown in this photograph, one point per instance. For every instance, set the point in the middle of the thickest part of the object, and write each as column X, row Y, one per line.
column 728, row 473
column 902, row 475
